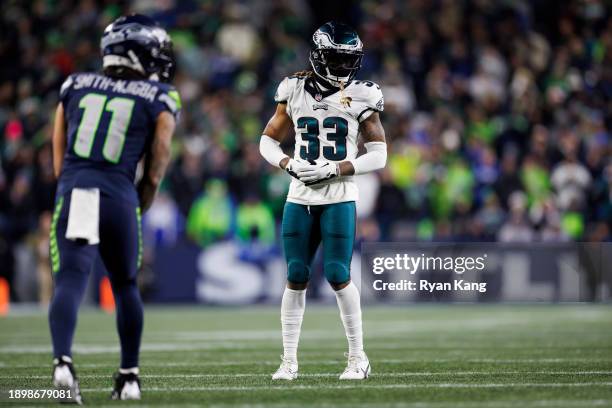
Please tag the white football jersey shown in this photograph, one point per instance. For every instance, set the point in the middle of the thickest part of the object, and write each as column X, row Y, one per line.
column 326, row 129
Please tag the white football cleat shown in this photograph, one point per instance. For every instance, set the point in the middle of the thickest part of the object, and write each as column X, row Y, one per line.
column 288, row 370
column 130, row 391
column 65, row 380
column 62, row 377
column 357, row 368
column 127, row 387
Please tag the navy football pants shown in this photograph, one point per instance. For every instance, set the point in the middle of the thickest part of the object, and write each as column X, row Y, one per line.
column 121, row 250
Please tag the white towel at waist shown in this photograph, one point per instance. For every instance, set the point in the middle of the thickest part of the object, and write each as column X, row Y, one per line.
column 84, row 215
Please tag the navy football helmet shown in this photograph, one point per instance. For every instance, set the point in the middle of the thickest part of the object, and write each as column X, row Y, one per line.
column 336, row 53
column 138, row 43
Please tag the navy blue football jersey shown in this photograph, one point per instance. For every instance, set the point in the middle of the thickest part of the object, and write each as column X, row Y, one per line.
column 111, row 123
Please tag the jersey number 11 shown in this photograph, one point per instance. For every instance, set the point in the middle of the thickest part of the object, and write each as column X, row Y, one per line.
column 93, row 106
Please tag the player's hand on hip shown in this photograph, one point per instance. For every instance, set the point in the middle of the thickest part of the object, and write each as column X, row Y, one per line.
column 318, row 172
column 294, row 166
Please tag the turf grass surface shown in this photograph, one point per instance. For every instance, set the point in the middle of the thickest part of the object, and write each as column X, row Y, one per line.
column 421, row 356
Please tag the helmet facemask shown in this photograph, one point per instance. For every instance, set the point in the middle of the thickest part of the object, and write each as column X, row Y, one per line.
column 165, row 57
column 336, row 66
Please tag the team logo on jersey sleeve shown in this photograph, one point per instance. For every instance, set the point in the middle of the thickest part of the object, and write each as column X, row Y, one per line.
column 346, row 101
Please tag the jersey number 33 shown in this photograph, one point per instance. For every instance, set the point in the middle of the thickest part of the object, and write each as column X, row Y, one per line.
column 336, row 130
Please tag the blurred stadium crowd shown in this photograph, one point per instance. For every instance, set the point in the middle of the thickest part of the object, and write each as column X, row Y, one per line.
column 498, row 116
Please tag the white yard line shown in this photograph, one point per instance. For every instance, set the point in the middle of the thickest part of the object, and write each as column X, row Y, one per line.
column 441, row 404
column 427, row 404
column 416, row 404
column 339, row 361
column 292, row 387
column 242, row 346
column 321, row 375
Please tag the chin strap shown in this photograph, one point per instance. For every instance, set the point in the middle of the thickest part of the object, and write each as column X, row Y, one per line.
column 326, row 85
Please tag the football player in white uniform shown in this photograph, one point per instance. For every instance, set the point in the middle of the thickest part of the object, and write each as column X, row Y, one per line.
column 328, row 110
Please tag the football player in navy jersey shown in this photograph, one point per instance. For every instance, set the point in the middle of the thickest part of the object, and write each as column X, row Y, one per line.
column 105, row 123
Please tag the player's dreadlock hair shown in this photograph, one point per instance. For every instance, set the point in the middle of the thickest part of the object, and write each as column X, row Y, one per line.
column 307, row 73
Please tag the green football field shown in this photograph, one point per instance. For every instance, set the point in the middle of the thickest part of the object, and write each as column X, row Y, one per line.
column 422, row 356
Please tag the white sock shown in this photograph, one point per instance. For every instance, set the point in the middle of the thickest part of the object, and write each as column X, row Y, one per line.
column 132, row 370
column 350, row 313
column 292, row 313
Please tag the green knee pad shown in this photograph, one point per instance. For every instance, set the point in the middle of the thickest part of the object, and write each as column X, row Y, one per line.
column 297, row 271
column 337, row 272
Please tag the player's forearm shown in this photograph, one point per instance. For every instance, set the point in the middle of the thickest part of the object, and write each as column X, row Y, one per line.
column 154, row 175
column 146, row 194
column 283, row 163
column 157, row 160
column 346, row 168
column 58, row 157
column 155, row 168
column 373, row 134
column 271, row 151
column 58, row 140
column 273, row 134
column 374, row 159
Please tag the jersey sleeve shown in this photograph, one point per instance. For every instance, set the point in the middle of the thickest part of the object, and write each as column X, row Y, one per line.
column 374, row 100
column 66, row 89
column 283, row 92
column 167, row 99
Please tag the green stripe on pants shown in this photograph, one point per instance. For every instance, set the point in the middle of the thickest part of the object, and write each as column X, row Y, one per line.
column 53, row 248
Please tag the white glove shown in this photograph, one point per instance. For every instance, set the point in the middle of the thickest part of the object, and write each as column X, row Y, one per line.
column 294, row 166
column 318, row 172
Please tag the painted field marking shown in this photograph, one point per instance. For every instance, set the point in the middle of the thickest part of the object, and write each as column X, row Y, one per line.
column 322, row 375
column 292, row 387
column 309, row 362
